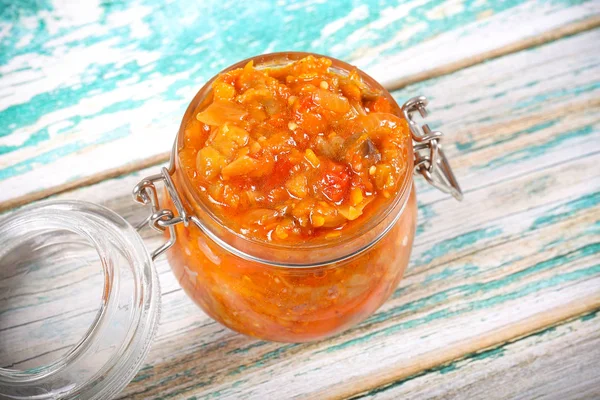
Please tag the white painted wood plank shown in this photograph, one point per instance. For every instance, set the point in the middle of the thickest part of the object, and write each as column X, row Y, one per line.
column 528, row 95
column 557, row 363
column 525, row 20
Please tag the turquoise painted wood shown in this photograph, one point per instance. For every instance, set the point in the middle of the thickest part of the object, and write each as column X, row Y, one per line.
column 93, row 85
column 518, row 256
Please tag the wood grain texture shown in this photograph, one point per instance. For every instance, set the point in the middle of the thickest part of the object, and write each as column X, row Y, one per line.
column 560, row 362
column 91, row 87
column 518, row 255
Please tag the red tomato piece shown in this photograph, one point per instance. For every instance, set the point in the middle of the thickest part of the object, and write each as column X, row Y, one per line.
column 335, row 181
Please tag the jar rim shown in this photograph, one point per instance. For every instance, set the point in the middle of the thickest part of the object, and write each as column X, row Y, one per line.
column 211, row 223
column 120, row 248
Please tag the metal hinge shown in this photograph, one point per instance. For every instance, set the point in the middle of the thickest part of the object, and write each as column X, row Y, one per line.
column 430, row 160
column 160, row 219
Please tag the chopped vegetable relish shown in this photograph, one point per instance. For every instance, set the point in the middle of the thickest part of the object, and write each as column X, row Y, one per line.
column 293, row 153
column 299, row 156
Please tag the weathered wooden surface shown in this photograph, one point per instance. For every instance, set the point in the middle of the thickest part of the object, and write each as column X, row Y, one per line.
column 557, row 363
column 518, row 256
column 503, row 290
column 93, row 89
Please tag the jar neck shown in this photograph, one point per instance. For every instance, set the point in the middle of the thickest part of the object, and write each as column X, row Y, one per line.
column 306, row 256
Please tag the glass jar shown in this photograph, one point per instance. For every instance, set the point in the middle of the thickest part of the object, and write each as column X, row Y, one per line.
column 270, row 291
column 286, row 293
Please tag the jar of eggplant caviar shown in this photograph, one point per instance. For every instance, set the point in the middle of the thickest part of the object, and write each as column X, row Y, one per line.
column 288, row 210
column 295, row 174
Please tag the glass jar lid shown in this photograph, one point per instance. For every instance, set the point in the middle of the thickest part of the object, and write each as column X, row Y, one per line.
column 79, row 302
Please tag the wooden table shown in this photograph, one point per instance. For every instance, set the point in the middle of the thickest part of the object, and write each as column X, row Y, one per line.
column 502, row 294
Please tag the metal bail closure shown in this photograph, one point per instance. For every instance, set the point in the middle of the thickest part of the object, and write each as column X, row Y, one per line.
column 430, row 160
column 160, row 219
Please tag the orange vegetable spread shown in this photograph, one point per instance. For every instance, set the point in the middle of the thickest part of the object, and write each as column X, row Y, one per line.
column 293, row 155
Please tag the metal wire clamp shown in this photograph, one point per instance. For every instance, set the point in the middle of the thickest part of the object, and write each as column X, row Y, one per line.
column 161, row 219
column 430, row 160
